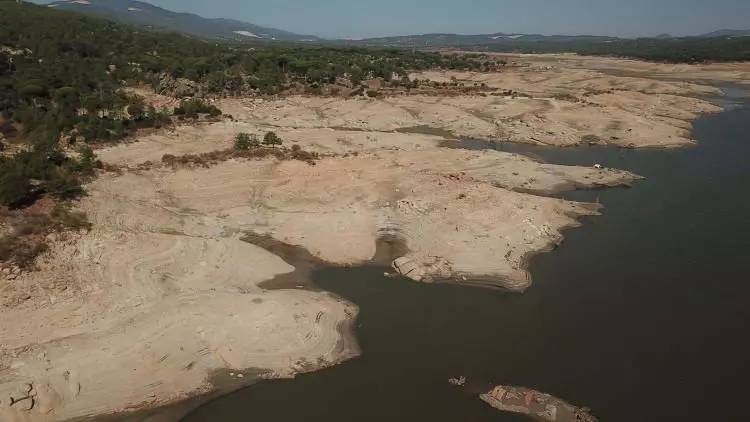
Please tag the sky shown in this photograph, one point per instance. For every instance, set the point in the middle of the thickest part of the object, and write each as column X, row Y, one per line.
column 372, row 18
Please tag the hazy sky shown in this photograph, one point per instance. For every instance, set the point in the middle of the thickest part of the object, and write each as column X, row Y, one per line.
column 368, row 18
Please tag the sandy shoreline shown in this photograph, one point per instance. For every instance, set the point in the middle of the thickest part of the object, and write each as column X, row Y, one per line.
column 163, row 293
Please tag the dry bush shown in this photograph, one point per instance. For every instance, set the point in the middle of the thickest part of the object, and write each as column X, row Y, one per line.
column 565, row 97
column 27, row 235
column 66, row 219
column 21, row 250
column 210, row 158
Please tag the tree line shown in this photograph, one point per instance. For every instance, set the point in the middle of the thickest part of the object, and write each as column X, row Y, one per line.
column 670, row 50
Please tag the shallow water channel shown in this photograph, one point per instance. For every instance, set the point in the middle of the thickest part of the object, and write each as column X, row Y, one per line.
column 641, row 315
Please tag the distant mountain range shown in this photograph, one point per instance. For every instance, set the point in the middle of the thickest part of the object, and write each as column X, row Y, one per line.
column 727, row 33
column 150, row 16
column 447, row 40
column 509, row 39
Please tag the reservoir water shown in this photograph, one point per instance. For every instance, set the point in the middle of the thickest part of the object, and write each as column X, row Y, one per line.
column 641, row 315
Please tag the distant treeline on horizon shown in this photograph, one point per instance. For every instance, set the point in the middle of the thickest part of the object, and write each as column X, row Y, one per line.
column 672, row 50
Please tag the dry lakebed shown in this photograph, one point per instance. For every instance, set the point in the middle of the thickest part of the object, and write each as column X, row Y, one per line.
column 164, row 290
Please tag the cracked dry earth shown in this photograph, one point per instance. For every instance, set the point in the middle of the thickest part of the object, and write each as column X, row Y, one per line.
column 162, row 292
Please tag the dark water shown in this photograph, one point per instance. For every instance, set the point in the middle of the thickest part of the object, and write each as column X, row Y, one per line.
column 642, row 315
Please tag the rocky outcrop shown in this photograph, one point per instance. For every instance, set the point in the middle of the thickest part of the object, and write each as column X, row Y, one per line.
column 422, row 270
column 408, row 268
column 177, row 87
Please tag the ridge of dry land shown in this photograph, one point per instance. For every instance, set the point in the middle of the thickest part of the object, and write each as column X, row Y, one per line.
column 162, row 292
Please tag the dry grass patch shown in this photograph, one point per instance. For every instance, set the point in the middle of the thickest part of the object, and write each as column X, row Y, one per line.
column 27, row 232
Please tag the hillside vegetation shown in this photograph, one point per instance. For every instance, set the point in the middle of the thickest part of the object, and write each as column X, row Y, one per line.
column 62, row 74
column 721, row 45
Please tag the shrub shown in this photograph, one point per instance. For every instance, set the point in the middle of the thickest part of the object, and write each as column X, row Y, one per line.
column 22, row 251
column 14, row 186
column 33, row 224
column 27, row 237
column 86, row 162
column 65, row 219
column 63, row 184
column 31, row 91
column 565, row 97
column 193, row 107
column 302, row 155
column 137, row 109
column 28, row 174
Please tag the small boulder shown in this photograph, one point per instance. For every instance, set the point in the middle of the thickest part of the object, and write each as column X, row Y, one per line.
column 408, row 268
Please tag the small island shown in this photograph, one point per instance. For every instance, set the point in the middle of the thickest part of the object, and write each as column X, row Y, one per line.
column 540, row 406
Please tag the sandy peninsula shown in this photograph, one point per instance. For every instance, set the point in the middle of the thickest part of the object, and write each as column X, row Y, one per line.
column 163, row 292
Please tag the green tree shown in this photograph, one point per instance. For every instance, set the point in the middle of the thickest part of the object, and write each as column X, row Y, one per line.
column 271, row 139
column 87, row 161
column 244, row 141
column 63, row 184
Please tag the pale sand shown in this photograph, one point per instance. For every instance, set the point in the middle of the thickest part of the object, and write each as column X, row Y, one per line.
column 621, row 118
column 147, row 316
column 732, row 72
column 338, row 208
column 162, row 293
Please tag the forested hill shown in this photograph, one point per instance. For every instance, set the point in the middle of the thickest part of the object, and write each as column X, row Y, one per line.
column 157, row 18
column 56, row 64
column 722, row 45
column 727, row 33
column 62, row 74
